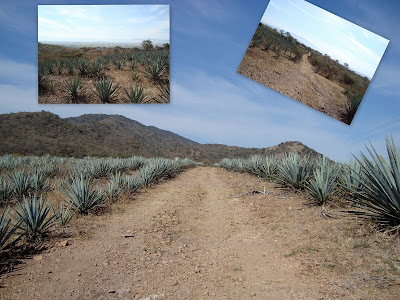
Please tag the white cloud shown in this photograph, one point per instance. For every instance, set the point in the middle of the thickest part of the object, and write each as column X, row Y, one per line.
column 16, row 72
column 83, row 12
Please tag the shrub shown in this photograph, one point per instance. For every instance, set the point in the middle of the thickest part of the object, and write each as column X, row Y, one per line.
column 348, row 79
column 147, row 45
column 118, row 63
column 351, row 108
column 298, row 53
column 133, row 64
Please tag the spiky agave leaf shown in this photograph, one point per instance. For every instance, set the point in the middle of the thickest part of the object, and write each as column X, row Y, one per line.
column 130, row 183
column 323, row 184
column 64, row 214
column 70, row 66
column 20, row 183
column 73, row 86
column 35, row 217
column 114, row 187
column 136, row 95
column 38, row 182
column 83, row 67
column 80, row 195
column 350, row 177
column 379, row 197
column 164, row 89
column 155, row 70
column 293, row 171
column 105, row 89
column 6, row 190
column 351, row 108
column 7, row 229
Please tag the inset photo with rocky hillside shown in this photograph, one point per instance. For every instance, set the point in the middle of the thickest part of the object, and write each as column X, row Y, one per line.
column 314, row 57
column 98, row 54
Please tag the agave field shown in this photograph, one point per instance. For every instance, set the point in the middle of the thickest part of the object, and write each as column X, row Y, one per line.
column 115, row 75
column 39, row 193
column 368, row 186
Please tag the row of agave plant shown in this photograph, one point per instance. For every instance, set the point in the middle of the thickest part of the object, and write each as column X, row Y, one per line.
column 96, row 66
column 105, row 90
column 155, row 63
column 32, row 216
column 370, row 183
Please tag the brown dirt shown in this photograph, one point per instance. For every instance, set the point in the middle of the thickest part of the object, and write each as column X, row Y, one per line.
column 203, row 236
column 296, row 80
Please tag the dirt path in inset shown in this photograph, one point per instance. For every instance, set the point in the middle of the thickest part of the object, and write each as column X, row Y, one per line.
column 198, row 236
column 296, row 80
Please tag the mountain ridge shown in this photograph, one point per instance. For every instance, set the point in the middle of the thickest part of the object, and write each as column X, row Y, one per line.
column 39, row 133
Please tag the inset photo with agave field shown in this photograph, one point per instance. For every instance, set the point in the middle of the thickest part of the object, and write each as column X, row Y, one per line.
column 314, row 57
column 97, row 54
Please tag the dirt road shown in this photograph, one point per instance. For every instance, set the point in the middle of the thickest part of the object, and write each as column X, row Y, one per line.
column 296, row 80
column 200, row 236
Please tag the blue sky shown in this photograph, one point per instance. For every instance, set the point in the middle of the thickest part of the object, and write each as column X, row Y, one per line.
column 328, row 33
column 103, row 23
column 210, row 102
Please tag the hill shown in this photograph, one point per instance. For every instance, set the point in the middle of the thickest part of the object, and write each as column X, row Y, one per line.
column 39, row 133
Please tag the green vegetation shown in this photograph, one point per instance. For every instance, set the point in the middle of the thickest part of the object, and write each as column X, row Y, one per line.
column 136, row 95
column 351, row 108
column 35, row 217
column 64, row 214
column 147, row 45
column 105, row 89
column 86, row 183
column 80, row 194
column 372, row 185
column 73, row 86
column 378, row 192
column 164, row 88
column 7, row 230
column 155, row 70
column 57, row 63
column 281, row 43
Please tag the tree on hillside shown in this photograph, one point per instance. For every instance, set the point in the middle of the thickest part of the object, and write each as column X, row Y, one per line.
column 346, row 65
column 147, row 45
column 166, row 46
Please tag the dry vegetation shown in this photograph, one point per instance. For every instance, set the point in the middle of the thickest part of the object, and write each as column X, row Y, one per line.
column 279, row 61
column 103, row 75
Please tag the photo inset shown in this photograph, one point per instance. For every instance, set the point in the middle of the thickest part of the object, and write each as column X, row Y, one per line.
column 98, row 54
column 314, row 57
